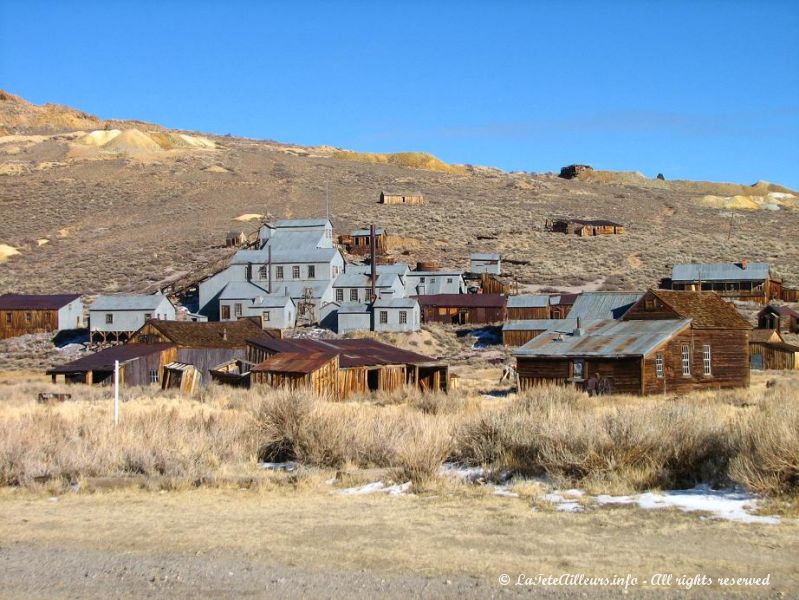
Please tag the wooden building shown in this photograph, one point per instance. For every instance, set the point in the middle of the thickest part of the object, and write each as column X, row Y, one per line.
column 666, row 342
column 181, row 376
column 524, row 307
column 401, row 198
column 518, row 333
column 769, row 351
column 139, row 365
column 584, row 227
column 236, row 239
column 363, row 366
column 485, row 262
column 745, row 281
column 359, row 241
column 201, row 344
column 21, row 314
column 782, row 318
column 463, row 309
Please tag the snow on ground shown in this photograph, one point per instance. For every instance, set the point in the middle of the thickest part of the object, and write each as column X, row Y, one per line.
column 375, row 487
column 287, row 466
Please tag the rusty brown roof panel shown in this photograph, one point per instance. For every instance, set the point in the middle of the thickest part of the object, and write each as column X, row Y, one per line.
column 104, row 360
column 211, row 334
column 35, row 301
column 464, row 300
column 295, row 362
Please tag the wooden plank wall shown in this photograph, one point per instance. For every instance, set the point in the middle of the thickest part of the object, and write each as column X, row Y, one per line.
column 41, row 321
column 774, row 357
column 519, row 338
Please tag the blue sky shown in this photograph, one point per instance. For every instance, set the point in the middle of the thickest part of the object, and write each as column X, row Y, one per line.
column 697, row 90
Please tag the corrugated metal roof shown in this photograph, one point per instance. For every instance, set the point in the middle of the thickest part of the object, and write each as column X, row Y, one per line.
column 563, row 325
column 435, row 273
column 531, row 301
column 36, row 301
column 104, row 360
column 397, row 268
column 483, row 256
column 295, row 362
column 361, row 280
column 352, row 353
column 464, row 300
column 350, row 308
column 128, row 302
column 563, row 299
column 409, row 303
column 241, row 290
column 363, row 232
column 281, row 254
column 603, row 305
column 296, row 289
column 607, row 338
column 271, row 301
column 720, row 272
column 287, row 223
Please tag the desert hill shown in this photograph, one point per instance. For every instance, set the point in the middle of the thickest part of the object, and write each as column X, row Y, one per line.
column 100, row 206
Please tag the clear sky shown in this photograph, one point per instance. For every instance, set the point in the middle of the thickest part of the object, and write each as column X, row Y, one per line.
column 698, row 90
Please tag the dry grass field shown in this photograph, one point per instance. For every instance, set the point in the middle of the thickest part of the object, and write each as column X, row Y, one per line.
column 119, row 222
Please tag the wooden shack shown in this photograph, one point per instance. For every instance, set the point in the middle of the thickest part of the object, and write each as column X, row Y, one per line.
column 463, row 309
column 139, row 365
column 584, row 227
column 401, row 198
column 181, row 376
column 769, row 351
column 782, row 318
column 666, row 342
column 359, row 241
column 22, row 314
column 525, row 307
column 315, row 371
column 236, row 239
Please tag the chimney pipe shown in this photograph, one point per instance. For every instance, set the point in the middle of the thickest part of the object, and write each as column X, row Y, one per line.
column 578, row 331
column 744, row 263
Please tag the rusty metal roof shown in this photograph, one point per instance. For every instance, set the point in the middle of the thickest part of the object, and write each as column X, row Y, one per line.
column 606, row 338
column 104, row 360
column 35, row 301
column 464, row 300
column 295, row 362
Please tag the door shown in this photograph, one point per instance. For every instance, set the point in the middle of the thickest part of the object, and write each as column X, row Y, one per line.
column 757, row 362
column 225, row 312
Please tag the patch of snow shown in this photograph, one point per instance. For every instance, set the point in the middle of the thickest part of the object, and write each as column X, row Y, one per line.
column 287, row 466
column 461, row 472
column 375, row 487
column 504, row 492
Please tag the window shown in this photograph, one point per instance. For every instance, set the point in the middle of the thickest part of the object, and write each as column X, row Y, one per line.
column 340, row 295
column 354, row 295
column 29, row 317
column 148, row 316
column 659, row 365
column 153, row 376
column 263, row 272
column 266, row 316
column 383, row 317
column 449, row 279
column 403, row 317
column 237, row 309
column 109, row 318
column 421, row 280
column 706, row 360
column 279, row 272
column 578, row 369
column 311, row 271
column 686, row 360
column 650, row 304
column 432, row 280
column 295, row 272
column 225, row 312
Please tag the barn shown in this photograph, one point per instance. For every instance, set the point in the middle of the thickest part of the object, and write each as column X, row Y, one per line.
column 666, row 342
column 526, row 307
column 21, row 314
column 463, row 309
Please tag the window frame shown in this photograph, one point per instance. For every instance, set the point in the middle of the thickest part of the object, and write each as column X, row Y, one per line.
column 339, row 294
column 311, row 271
column 403, row 317
column 383, row 317
column 279, row 272
column 237, row 309
column 109, row 318
column 685, row 360
column 266, row 316
column 153, row 376
column 707, row 360
column 263, row 272
column 353, row 294
column 660, row 371
column 295, row 271
column 225, row 313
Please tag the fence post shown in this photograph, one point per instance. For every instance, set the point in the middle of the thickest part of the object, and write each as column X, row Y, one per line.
column 116, row 392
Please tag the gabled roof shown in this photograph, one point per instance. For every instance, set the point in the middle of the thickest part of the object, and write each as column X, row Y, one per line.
column 128, row 302
column 464, row 300
column 754, row 271
column 361, row 280
column 707, row 310
column 36, row 301
column 209, row 334
column 765, row 335
column 603, row 305
column 404, row 303
column 104, row 360
column 783, row 310
column 531, row 301
column 483, row 256
column 607, row 338
column 241, row 290
column 288, row 223
column 295, row 362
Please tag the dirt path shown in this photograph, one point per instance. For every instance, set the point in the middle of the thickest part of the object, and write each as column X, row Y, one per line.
column 293, row 543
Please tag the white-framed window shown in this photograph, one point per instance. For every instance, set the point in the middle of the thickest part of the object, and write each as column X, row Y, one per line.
column 403, row 317
column 109, row 318
column 237, row 309
column 311, row 271
column 295, row 272
column 659, row 365
column 340, row 295
column 354, row 294
column 686, row 360
column 449, row 279
column 706, row 360
column 266, row 316
column 383, row 317
column 279, row 272
column 263, row 273
column 153, row 375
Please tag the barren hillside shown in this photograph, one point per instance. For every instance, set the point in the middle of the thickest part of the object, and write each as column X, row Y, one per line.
column 98, row 206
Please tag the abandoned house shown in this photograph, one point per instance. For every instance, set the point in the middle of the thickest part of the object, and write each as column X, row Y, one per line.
column 746, row 281
column 398, row 198
column 236, row 238
column 363, row 365
column 782, row 318
column 202, row 345
column 359, row 241
column 421, row 283
column 115, row 318
column 242, row 299
column 769, row 351
column 463, row 309
column 21, row 314
column 485, row 262
column 666, row 342
column 584, row 227
column 528, row 307
column 139, row 365
column 518, row 333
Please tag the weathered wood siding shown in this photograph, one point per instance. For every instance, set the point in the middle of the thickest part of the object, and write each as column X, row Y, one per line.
column 773, row 356
column 21, row 322
column 519, row 338
column 464, row 315
column 205, row 359
column 624, row 372
column 528, row 313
